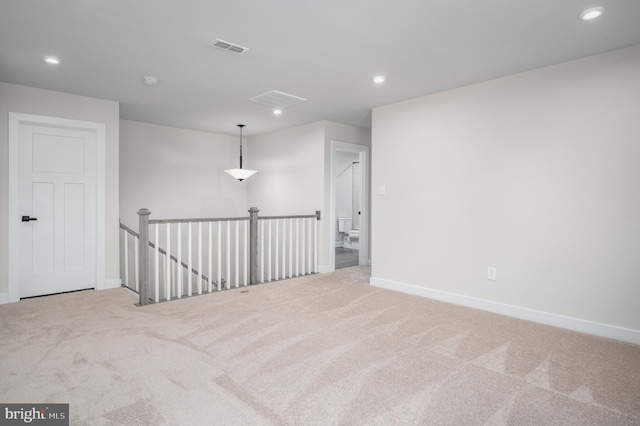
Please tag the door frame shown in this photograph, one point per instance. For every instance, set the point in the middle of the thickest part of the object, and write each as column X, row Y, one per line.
column 363, row 154
column 16, row 121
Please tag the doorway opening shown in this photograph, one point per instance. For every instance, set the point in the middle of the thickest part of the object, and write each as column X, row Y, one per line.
column 349, row 213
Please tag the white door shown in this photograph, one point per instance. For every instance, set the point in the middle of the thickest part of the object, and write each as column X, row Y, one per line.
column 57, row 197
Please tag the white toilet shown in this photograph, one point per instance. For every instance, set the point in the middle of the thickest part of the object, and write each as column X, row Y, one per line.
column 350, row 237
column 353, row 237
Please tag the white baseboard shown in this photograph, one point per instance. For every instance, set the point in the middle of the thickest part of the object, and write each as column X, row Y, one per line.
column 108, row 284
column 584, row 326
column 325, row 269
column 131, row 292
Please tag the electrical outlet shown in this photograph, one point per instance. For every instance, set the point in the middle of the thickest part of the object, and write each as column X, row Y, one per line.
column 383, row 190
column 491, row 273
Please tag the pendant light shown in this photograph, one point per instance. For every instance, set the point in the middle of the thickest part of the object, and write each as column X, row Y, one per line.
column 241, row 174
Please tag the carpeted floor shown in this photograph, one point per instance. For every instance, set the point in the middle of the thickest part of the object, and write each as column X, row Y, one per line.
column 322, row 349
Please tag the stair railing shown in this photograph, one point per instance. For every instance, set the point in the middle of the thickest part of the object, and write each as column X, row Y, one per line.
column 247, row 250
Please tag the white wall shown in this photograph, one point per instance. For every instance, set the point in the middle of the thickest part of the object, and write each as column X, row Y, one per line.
column 536, row 174
column 295, row 172
column 178, row 173
column 343, row 133
column 28, row 100
column 290, row 166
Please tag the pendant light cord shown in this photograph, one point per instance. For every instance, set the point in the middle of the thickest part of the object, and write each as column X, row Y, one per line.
column 241, row 126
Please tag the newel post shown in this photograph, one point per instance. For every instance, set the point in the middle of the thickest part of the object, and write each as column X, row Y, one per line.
column 253, row 245
column 143, row 255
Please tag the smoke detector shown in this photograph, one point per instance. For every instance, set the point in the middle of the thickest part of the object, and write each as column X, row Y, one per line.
column 150, row 80
column 229, row 47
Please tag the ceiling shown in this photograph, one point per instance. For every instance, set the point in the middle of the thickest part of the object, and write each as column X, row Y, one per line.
column 324, row 51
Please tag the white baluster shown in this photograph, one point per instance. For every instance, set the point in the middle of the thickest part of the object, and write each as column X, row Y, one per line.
column 269, row 251
column 297, row 247
column 167, row 275
column 290, row 247
column 261, row 245
column 310, row 246
column 157, row 264
column 189, row 261
column 136, row 246
column 210, row 288
column 219, row 255
column 284, row 248
column 304, row 246
column 277, row 262
column 246, row 252
column 176, row 269
column 228, row 254
column 163, row 270
column 237, row 258
column 309, row 252
column 126, row 257
column 179, row 271
column 315, row 245
column 199, row 257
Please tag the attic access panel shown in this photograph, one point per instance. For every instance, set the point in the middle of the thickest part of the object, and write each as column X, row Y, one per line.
column 277, row 99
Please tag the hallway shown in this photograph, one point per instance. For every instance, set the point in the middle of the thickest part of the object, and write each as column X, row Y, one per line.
column 346, row 257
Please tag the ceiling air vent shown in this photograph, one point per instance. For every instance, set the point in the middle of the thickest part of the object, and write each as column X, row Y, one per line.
column 276, row 99
column 230, row 47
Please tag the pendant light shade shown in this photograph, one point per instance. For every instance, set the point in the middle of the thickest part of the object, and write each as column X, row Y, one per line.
column 240, row 174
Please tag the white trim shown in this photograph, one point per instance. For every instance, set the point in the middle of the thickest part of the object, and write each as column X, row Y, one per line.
column 363, row 152
column 15, row 121
column 575, row 324
column 4, row 298
column 101, row 187
column 109, row 284
column 131, row 292
column 325, row 269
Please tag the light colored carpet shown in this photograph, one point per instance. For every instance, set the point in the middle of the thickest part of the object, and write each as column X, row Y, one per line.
column 322, row 349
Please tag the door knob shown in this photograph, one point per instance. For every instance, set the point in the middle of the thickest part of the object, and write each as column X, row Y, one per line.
column 27, row 218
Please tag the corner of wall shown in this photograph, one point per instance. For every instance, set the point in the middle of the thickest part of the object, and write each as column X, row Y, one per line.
column 110, row 284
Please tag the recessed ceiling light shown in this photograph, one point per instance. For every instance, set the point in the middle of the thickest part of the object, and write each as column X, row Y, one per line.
column 592, row 13
column 379, row 79
column 277, row 111
column 150, row 80
column 52, row 60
